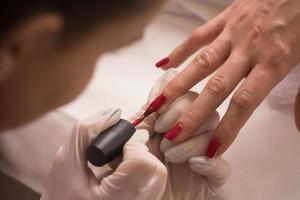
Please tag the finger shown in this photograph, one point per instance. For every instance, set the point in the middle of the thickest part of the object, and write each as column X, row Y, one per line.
column 173, row 112
column 243, row 103
column 214, row 93
column 139, row 171
column 161, row 84
column 208, row 60
column 215, row 170
column 208, row 125
column 176, row 109
column 192, row 147
column 155, row 91
column 200, row 37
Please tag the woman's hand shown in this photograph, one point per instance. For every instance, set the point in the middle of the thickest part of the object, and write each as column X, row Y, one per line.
column 254, row 43
column 190, row 174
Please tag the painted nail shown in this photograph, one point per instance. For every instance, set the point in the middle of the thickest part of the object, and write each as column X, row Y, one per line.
column 162, row 62
column 153, row 107
column 213, row 147
column 156, row 104
column 174, row 132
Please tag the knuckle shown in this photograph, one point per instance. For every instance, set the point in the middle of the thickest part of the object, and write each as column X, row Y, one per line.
column 278, row 53
column 216, row 86
column 238, row 21
column 190, row 115
column 237, row 58
column 260, row 75
column 243, row 99
column 254, row 33
column 206, row 59
column 242, row 18
column 174, row 88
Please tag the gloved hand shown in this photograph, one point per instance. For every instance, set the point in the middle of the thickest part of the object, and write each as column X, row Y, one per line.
column 140, row 175
column 190, row 174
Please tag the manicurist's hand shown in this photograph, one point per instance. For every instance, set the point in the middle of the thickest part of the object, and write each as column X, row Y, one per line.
column 254, row 43
column 139, row 176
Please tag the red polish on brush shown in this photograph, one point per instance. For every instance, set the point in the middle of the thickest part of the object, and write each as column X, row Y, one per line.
column 154, row 106
column 138, row 121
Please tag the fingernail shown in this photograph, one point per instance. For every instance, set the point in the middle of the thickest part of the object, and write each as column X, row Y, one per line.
column 174, row 132
column 162, row 62
column 156, row 104
column 213, row 147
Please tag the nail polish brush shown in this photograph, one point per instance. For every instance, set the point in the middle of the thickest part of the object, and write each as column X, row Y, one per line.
column 109, row 144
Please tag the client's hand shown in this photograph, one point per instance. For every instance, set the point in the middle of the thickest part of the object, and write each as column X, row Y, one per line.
column 190, row 174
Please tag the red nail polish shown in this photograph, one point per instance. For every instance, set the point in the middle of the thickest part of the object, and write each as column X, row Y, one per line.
column 213, row 147
column 162, row 62
column 174, row 132
column 138, row 121
column 155, row 104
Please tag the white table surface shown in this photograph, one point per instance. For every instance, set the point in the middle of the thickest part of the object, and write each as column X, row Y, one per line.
column 265, row 157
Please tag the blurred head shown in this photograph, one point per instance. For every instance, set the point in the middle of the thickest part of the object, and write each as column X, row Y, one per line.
column 48, row 49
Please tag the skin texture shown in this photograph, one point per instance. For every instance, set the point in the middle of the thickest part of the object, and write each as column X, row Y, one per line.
column 254, row 43
column 39, row 72
column 297, row 111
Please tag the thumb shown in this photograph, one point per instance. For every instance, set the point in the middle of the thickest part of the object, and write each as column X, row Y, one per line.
column 139, row 176
column 216, row 170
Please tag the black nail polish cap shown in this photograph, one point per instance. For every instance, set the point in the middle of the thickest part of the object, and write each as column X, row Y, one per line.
column 109, row 144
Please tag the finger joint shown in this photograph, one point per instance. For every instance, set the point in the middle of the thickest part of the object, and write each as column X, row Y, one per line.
column 216, row 86
column 243, row 99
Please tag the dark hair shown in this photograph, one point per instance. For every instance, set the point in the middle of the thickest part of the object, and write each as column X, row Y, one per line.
column 78, row 15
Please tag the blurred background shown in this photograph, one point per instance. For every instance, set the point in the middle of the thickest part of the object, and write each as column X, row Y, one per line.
column 265, row 157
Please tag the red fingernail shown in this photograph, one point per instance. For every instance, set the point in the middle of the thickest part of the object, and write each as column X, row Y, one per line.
column 174, row 132
column 153, row 107
column 213, row 147
column 162, row 62
column 156, row 104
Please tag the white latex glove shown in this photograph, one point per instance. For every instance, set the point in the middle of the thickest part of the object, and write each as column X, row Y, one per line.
column 140, row 175
column 191, row 176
